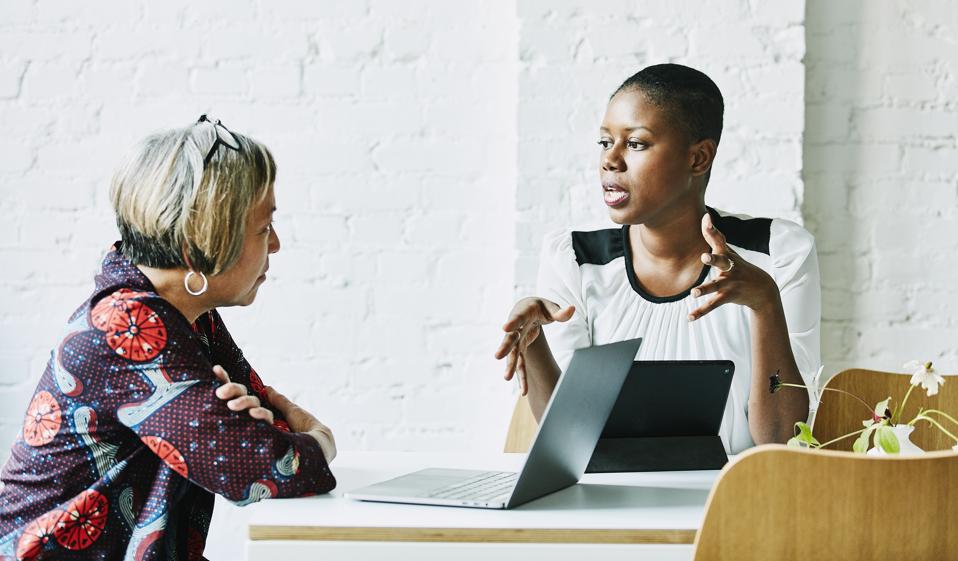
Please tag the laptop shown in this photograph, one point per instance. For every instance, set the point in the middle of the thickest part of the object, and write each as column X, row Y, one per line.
column 667, row 418
column 571, row 425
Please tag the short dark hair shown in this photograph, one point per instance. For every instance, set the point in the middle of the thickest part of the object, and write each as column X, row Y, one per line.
column 686, row 94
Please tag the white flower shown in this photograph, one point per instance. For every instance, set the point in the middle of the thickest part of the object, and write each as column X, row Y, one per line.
column 924, row 374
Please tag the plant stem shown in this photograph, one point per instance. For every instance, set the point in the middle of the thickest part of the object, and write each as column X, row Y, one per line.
column 937, row 412
column 862, row 401
column 896, row 416
column 834, row 440
column 934, row 422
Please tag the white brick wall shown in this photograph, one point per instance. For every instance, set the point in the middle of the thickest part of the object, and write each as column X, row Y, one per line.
column 425, row 147
column 881, row 178
column 575, row 53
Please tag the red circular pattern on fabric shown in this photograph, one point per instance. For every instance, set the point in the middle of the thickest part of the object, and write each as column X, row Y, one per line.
column 104, row 313
column 37, row 534
column 83, row 521
column 43, row 419
column 281, row 425
column 168, row 453
column 136, row 333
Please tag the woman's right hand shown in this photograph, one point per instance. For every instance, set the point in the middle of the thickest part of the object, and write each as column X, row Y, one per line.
column 522, row 329
column 301, row 420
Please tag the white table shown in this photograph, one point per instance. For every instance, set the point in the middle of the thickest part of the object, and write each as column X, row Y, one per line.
column 608, row 516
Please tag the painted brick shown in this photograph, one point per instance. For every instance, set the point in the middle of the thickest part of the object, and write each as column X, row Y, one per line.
column 405, row 44
column 50, row 80
column 16, row 157
column 221, row 80
column 153, row 79
column 276, row 81
column 938, row 162
column 347, row 45
column 255, row 42
column 131, row 44
column 331, row 81
column 11, row 76
column 297, row 12
column 389, row 82
column 46, row 45
column 318, row 229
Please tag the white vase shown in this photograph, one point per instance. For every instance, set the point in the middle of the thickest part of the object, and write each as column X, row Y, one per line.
column 905, row 445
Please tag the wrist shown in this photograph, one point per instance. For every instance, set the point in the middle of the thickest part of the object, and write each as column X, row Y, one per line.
column 769, row 301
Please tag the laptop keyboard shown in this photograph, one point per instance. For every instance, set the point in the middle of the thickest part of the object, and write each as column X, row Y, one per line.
column 483, row 487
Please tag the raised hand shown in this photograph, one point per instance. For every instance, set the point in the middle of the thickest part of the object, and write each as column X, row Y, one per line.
column 738, row 281
column 522, row 329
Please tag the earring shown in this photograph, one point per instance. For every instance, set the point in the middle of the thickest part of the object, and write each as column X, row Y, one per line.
column 186, row 283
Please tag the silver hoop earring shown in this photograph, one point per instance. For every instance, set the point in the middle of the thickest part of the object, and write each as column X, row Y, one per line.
column 186, row 283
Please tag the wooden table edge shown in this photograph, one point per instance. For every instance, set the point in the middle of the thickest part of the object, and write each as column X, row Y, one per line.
column 471, row 535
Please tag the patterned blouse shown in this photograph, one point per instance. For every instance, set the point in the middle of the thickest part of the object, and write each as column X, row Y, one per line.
column 124, row 442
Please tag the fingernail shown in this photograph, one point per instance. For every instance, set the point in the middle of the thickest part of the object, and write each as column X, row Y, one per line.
column 691, row 318
column 696, row 292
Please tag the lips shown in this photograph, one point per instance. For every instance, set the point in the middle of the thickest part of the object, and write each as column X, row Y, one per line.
column 614, row 195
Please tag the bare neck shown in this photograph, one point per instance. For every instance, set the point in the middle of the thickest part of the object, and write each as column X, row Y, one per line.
column 169, row 285
column 672, row 241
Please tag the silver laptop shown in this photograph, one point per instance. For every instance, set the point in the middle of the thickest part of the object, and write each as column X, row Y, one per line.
column 570, row 428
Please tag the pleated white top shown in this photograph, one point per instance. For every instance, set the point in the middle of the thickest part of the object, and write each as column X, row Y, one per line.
column 592, row 270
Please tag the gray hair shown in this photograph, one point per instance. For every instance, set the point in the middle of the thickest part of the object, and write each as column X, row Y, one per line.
column 175, row 212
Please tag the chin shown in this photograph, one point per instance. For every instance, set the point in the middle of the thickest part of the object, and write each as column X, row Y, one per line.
column 247, row 299
column 624, row 216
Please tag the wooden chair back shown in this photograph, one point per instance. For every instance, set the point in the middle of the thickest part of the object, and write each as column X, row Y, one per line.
column 781, row 503
column 840, row 414
column 522, row 427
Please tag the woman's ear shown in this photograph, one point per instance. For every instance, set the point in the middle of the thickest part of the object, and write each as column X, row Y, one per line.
column 702, row 155
column 185, row 252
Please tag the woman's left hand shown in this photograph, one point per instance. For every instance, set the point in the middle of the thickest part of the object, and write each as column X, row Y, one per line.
column 738, row 282
column 237, row 399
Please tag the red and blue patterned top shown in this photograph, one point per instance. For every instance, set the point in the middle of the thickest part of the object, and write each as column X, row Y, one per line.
column 124, row 442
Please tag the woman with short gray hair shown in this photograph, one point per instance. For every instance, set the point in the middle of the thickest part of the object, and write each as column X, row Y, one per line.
column 147, row 407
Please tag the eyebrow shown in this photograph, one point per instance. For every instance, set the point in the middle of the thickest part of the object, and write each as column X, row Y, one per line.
column 629, row 129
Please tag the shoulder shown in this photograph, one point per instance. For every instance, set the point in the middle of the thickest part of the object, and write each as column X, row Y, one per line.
column 113, row 307
column 138, row 325
column 780, row 239
column 585, row 246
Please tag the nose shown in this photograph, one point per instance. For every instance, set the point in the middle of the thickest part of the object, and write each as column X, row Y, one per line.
column 274, row 244
column 611, row 159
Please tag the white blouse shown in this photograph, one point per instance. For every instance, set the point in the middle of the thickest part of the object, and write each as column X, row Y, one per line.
column 592, row 270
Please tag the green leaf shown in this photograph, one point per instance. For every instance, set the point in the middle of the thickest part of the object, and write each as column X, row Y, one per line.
column 882, row 407
column 861, row 443
column 794, row 442
column 887, row 440
column 805, row 435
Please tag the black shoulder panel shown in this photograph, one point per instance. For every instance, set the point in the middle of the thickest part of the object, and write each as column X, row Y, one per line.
column 597, row 247
column 751, row 234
